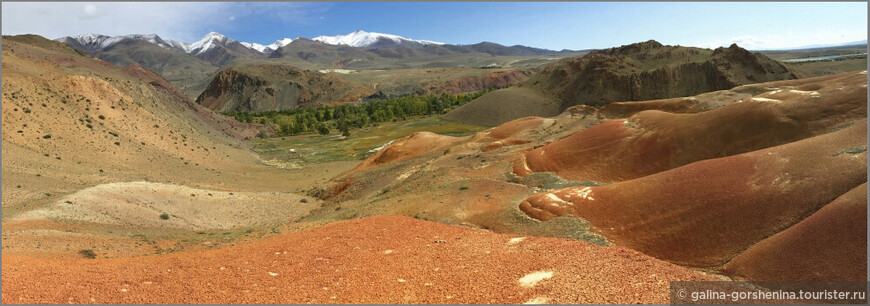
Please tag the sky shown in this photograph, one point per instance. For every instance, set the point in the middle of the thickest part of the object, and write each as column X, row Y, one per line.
column 550, row 25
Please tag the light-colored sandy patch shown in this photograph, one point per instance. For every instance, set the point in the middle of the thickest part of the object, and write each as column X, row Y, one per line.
column 537, row 300
column 765, row 100
column 516, row 240
column 585, row 193
column 381, row 147
column 532, row 279
column 341, row 71
column 557, row 201
column 804, row 92
column 388, row 252
column 157, row 205
column 282, row 164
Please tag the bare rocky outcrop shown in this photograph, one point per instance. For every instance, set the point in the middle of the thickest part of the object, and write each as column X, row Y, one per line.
column 650, row 70
column 258, row 88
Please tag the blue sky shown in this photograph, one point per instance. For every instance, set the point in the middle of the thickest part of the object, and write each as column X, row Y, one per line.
column 555, row 25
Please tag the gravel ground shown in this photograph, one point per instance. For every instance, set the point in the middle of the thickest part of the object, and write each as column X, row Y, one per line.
column 382, row 259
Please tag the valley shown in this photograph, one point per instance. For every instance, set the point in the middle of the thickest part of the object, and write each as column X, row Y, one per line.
column 374, row 168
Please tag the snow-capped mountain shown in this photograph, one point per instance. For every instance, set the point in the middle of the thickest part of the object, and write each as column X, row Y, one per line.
column 268, row 49
column 97, row 41
column 208, row 42
column 362, row 38
column 213, row 39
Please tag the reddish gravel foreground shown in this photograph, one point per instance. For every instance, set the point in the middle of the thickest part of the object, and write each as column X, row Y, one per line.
column 382, row 259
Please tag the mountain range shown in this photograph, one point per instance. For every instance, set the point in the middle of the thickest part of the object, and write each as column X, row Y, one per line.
column 190, row 67
column 214, row 42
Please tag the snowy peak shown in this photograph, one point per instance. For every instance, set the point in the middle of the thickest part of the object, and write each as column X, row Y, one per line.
column 208, row 42
column 280, row 43
column 255, row 46
column 362, row 38
column 213, row 40
column 97, row 41
column 268, row 49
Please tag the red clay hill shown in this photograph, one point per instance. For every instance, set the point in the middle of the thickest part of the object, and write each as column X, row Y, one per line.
column 722, row 181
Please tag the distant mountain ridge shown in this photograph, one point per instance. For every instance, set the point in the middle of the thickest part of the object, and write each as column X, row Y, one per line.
column 364, row 39
column 357, row 39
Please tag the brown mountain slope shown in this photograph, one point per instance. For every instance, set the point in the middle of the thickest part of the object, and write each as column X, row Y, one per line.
column 504, row 105
column 384, row 259
column 650, row 70
column 257, row 88
column 636, row 72
column 93, row 153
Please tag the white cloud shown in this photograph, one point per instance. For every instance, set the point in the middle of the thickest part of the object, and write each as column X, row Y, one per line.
column 90, row 11
column 185, row 21
column 182, row 20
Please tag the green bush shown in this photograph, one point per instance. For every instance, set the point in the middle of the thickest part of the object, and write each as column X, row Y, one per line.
column 164, row 216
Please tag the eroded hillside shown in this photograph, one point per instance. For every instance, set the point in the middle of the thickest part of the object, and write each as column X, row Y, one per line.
column 76, row 129
column 696, row 181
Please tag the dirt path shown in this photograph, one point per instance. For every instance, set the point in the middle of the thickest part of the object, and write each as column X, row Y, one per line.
column 383, row 259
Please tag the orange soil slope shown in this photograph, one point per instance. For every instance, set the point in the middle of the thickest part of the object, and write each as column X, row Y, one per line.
column 705, row 213
column 408, row 147
column 383, row 259
column 654, row 141
column 830, row 245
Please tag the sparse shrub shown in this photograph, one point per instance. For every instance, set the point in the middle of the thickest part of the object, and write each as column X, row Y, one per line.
column 118, row 143
column 463, row 188
column 46, row 136
column 101, row 117
column 303, row 201
column 164, row 216
column 88, row 253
